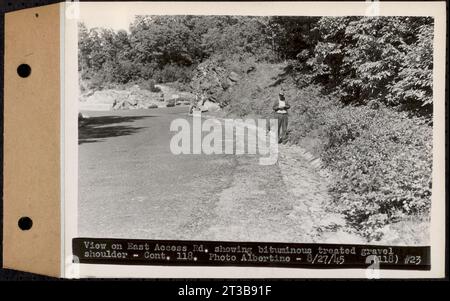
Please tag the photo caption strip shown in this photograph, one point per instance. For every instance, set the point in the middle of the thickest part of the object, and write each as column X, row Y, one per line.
column 250, row 254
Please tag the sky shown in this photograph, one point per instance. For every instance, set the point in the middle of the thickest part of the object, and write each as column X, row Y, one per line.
column 119, row 15
column 116, row 17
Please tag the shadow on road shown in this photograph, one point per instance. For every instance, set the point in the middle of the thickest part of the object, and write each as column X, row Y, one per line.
column 95, row 128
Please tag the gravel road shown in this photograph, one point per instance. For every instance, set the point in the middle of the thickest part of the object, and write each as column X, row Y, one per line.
column 132, row 186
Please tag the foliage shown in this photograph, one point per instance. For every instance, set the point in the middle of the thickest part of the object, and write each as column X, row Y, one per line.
column 240, row 35
column 386, row 59
column 166, row 48
column 150, row 86
column 163, row 40
column 172, row 73
column 382, row 163
column 289, row 36
column 414, row 88
column 381, row 159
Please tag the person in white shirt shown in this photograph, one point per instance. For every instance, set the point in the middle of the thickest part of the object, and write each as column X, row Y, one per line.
column 280, row 107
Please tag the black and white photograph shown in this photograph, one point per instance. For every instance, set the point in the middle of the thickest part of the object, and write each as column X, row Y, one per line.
column 291, row 129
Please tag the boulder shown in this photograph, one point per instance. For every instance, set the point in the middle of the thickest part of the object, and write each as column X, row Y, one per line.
column 132, row 101
column 233, row 76
column 211, row 106
column 250, row 69
column 103, row 97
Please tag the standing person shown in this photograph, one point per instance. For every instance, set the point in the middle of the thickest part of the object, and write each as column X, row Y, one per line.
column 203, row 99
column 280, row 107
column 194, row 104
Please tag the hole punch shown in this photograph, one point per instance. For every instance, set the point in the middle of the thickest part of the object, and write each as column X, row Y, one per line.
column 24, row 70
column 25, row 223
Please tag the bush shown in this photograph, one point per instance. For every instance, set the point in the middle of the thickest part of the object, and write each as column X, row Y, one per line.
column 179, row 86
column 150, row 86
column 173, row 73
column 381, row 159
column 387, row 59
column 382, row 163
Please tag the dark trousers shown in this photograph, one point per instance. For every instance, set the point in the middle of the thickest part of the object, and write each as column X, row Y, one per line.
column 282, row 125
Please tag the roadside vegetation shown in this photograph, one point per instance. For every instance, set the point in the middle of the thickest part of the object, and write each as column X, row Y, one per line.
column 360, row 90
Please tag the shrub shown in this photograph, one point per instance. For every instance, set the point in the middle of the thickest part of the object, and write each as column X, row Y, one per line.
column 179, row 86
column 387, row 59
column 96, row 82
column 150, row 86
column 172, row 73
column 382, row 164
column 381, row 159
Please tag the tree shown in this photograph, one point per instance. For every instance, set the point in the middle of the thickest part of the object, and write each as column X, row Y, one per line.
column 414, row 87
column 290, row 35
column 383, row 59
